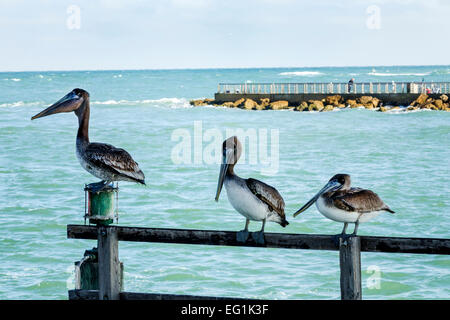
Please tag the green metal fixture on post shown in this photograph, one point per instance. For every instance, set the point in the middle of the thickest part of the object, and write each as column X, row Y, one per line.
column 101, row 207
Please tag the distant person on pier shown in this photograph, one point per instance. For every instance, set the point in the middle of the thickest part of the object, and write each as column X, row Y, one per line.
column 350, row 85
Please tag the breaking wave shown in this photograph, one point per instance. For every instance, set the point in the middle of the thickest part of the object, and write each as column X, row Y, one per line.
column 387, row 74
column 20, row 104
column 163, row 102
column 301, row 73
column 13, row 79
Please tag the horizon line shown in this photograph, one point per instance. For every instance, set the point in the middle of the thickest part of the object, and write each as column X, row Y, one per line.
column 224, row 68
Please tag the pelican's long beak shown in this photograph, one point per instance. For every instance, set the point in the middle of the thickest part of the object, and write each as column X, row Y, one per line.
column 223, row 171
column 331, row 185
column 70, row 102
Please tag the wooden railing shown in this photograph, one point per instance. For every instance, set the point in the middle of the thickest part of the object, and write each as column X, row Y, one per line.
column 334, row 88
column 109, row 268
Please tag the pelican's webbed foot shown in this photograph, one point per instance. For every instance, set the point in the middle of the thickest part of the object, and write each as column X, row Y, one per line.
column 242, row 236
column 341, row 235
column 258, row 237
column 98, row 186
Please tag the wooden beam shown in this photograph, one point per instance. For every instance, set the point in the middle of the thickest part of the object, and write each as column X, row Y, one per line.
column 272, row 240
column 94, row 295
column 108, row 263
column 350, row 265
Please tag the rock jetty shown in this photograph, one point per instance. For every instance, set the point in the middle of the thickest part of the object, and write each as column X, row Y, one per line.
column 330, row 103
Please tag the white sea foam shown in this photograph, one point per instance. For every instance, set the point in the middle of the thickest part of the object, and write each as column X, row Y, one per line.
column 19, row 104
column 387, row 74
column 12, row 79
column 301, row 73
column 163, row 102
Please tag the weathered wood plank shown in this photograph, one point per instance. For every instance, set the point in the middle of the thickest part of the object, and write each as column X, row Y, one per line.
column 83, row 294
column 108, row 263
column 350, row 267
column 94, row 295
column 273, row 240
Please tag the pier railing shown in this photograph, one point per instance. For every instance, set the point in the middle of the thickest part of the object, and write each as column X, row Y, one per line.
column 107, row 272
column 334, row 87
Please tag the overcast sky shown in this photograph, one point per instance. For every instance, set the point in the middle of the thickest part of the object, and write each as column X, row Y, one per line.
column 136, row 34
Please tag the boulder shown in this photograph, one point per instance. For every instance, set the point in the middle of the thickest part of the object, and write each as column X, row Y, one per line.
column 228, row 104
column 333, row 100
column 317, row 104
column 315, row 107
column 383, row 109
column 411, row 108
column 341, row 105
column 198, row 102
column 368, row 102
column 427, row 106
column 439, row 104
column 263, row 104
column 302, row 107
column 420, row 99
column 278, row 105
column 444, row 98
column 239, row 103
column 375, row 102
column 304, row 104
column 328, row 107
column 365, row 100
column 249, row 104
column 351, row 102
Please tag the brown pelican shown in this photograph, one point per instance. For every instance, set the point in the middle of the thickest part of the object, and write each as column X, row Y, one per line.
column 252, row 198
column 102, row 160
column 338, row 202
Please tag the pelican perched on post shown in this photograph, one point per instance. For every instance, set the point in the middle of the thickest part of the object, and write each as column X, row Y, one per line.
column 252, row 198
column 339, row 202
column 102, row 160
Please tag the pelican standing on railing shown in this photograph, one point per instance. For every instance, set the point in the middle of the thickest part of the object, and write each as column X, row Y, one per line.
column 252, row 198
column 102, row 160
column 339, row 202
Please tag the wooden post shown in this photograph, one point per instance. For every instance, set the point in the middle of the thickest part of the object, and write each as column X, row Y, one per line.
column 350, row 264
column 108, row 263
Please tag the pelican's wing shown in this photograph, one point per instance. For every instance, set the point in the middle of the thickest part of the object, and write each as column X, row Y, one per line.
column 360, row 200
column 267, row 194
column 115, row 159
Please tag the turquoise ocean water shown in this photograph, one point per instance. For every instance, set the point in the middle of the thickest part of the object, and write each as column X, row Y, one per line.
column 404, row 157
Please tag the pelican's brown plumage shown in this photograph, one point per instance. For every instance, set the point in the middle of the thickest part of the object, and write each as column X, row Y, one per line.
column 269, row 195
column 102, row 160
column 252, row 198
column 339, row 202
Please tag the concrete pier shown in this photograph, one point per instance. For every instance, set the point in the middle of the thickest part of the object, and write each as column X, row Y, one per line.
column 395, row 99
column 390, row 93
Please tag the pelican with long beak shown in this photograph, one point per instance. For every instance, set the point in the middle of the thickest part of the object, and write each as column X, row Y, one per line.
column 339, row 202
column 252, row 198
column 102, row 160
